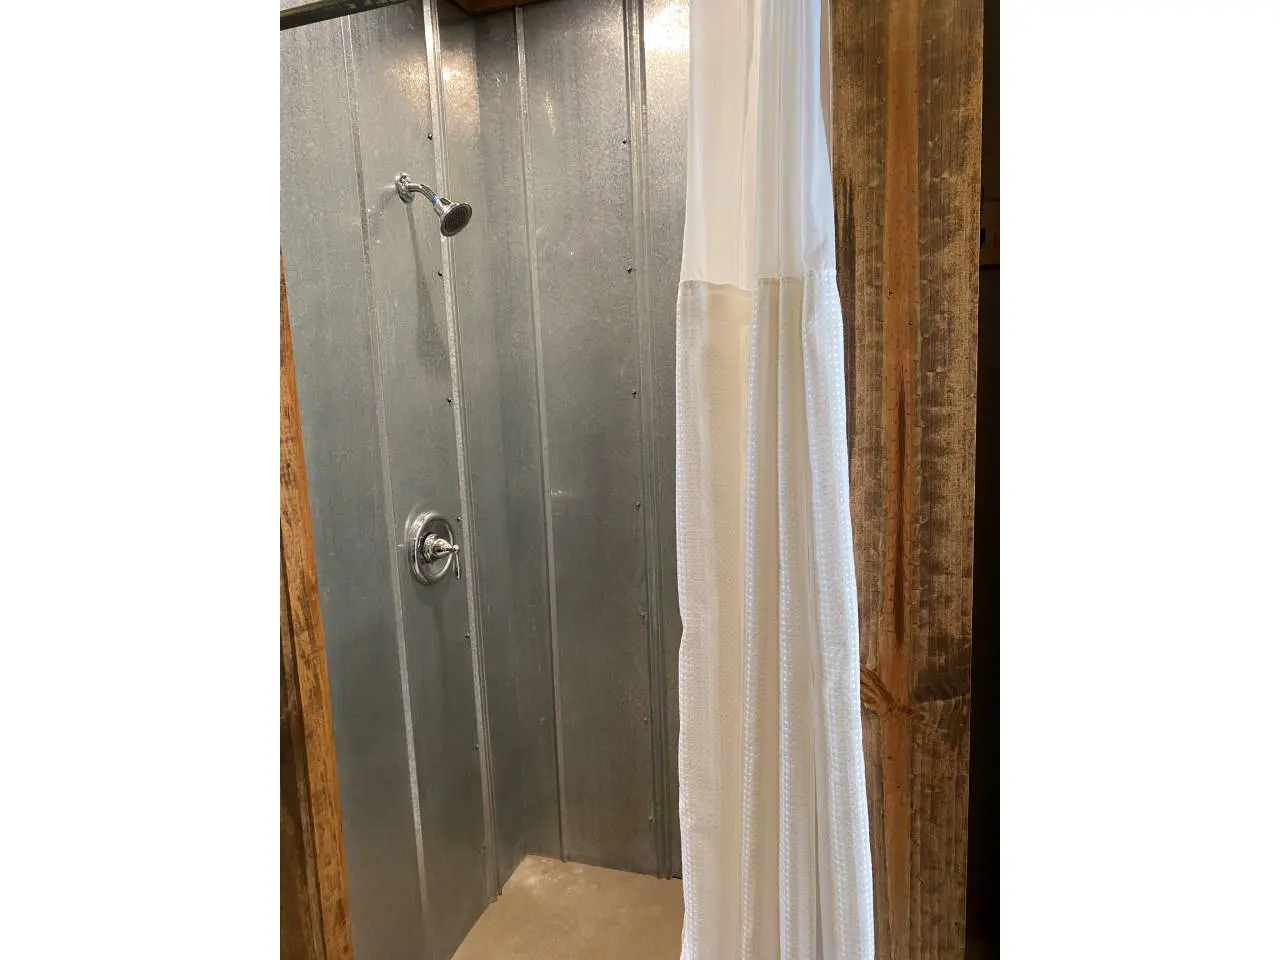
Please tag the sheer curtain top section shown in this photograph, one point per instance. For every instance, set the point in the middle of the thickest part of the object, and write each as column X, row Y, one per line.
column 759, row 198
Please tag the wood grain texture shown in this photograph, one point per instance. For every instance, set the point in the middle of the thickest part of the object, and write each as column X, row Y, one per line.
column 305, row 678
column 300, row 935
column 906, row 143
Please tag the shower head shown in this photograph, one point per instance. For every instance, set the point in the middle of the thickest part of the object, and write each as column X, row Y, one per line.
column 453, row 216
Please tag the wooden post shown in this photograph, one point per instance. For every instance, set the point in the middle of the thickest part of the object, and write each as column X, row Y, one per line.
column 314, row 921
column 907, row 161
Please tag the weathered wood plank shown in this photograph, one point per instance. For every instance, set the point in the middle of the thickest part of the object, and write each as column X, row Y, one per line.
column 940, row 804
column 906, row 145
column 300, row 935
column 898, row 398
column 859, row 37
column 950, row 173
column 305, row 668
column 950, row 206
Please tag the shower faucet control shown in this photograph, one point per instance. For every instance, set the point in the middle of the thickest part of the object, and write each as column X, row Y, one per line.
column 436, row 548
column 431, row 548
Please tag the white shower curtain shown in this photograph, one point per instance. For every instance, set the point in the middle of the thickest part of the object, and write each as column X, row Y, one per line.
column 773, row 811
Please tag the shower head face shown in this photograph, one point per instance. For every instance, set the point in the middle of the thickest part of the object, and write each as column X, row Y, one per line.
column 453, row 217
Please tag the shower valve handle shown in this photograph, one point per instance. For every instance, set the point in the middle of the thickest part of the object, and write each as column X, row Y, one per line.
column 431, row 548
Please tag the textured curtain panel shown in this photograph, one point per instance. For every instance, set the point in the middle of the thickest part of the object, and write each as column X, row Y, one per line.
column 773, row 808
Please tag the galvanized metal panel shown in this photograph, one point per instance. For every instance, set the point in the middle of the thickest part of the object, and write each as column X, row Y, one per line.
column 321, row 237
column 580, row 201
column 666, row 54
column 633, row 22
column 391, row 94
column 436, row 86
column 495, row 326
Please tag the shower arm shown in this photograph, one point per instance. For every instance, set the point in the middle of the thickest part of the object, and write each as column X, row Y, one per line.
column 453, row 216
column 407, row 188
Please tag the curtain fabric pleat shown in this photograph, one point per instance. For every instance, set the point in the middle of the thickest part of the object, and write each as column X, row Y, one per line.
column 773, row 808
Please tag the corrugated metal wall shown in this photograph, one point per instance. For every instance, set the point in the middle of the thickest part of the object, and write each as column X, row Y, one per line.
column 491, row 275
column 568, row 371
column 666, row 113
column 323, row 248
column 543, row 337
column 373, row 335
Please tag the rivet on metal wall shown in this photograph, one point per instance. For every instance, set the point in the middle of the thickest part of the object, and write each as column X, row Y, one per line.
column 635, row 393
column 631, row 268
column 637, row 504
column 430, row 136
column 448, row 399
column 439, row 273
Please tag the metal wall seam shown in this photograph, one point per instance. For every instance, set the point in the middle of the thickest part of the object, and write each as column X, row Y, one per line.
column 431, row 30
column 384, row 449
column 531, row 246
column 633, row 19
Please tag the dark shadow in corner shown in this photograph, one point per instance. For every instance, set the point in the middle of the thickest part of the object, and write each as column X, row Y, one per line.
column 983, row 885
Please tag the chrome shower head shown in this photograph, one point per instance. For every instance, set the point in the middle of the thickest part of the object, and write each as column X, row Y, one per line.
column 453, row 216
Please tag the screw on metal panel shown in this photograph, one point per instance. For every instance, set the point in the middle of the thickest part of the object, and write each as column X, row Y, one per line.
column 644, row 719
column 631, row 268
column 644, row 615
column 430, row 136
column 459, row 519
column 637, row 504
column 439, row 273
column 448, row 399
column 635, row 393
column 466, row 636
column 624, row 140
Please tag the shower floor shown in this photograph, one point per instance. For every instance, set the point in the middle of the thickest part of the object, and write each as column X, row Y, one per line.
column 551, row 910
